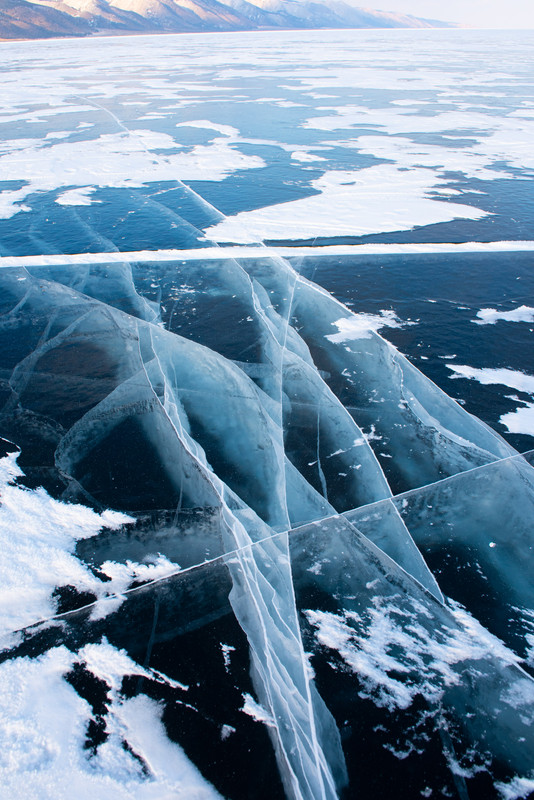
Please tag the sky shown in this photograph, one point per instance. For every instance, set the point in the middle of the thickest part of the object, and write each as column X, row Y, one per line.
column 477, row 13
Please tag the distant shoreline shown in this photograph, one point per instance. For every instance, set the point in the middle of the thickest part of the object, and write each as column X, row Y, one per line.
column 126, row 34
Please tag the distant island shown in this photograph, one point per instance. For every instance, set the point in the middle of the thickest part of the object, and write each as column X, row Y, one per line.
column 43, row 19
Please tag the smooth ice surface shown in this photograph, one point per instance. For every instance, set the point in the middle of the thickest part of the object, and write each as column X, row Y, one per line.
column 248, row 444
column 384, row 526
column 479, row 525
column 409, row 652
column 100, row 371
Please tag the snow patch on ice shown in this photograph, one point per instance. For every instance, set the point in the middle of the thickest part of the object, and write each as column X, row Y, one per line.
column 110, row 665
column 521, row 420
column 205, row 124
column 494, row 139
column 360, row 326
column 122, row 575
column 489, row 316
column 396, row 657
column 114, row 160
column 517, row 789
column 256, row 711
column 38, row 536
column 305, row 156
column 43, row 726
column 227, row 731
column 500, row 376
column 77, row 197
column 226, row 649
column 350, row 203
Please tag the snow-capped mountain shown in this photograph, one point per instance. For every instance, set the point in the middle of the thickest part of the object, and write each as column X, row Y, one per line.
column 48, row 18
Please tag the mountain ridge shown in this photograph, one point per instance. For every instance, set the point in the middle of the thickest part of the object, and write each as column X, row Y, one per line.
column 42, row 19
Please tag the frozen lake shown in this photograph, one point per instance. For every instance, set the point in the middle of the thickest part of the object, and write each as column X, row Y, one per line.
column 267, row 309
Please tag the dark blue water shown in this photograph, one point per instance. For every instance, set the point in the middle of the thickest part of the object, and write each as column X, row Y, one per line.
column 441, row 294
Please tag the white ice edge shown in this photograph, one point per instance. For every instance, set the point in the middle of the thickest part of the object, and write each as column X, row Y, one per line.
column 258, row 251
